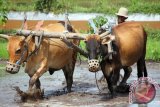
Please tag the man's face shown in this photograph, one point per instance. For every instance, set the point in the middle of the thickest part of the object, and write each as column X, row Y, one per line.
column 121, row 19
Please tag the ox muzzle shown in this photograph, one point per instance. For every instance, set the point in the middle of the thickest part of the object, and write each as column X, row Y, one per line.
column 94, row 65
column 12, row 68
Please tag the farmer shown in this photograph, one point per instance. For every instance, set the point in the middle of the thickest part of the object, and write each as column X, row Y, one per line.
column 122, row 15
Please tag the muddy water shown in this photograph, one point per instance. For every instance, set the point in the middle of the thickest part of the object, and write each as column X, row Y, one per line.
column 85, row 92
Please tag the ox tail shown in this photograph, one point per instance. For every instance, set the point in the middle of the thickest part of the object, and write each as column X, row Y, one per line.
column 141, row 65
column 145, row 42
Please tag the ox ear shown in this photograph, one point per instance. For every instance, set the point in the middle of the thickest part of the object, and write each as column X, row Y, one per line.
column 107, row 40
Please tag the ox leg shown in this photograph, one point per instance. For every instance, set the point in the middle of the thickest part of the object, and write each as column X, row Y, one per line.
column 145, row 70
column 115, row 77
column 38, row 84
column 108, row 76
column 141, row 68
column 123, row 86
column 127, row 73
column 37, row 75
column 68, row 73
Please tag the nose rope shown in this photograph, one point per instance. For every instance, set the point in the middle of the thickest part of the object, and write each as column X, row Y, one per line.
column 22, row 55
column 37, row 48
column 100, row 91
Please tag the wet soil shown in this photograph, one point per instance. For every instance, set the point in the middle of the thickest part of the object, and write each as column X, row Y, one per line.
column 84, row 91
column 81, row 25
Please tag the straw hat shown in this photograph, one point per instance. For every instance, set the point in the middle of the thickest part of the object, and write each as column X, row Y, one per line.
column 123, row 12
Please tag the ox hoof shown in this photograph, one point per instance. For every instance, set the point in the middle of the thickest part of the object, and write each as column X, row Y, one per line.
column 124, row 88
column 111, row 95
column 35, row 94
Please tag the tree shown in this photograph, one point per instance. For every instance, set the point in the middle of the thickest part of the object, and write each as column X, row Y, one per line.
column 3, row 12
column 56, row 6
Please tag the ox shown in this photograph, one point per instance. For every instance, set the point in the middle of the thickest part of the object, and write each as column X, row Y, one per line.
column 130, row 46
column 52, row 55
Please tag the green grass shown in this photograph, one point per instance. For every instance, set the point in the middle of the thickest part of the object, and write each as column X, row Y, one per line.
column 153, row 50
column 3, row 49
column 3, row 44
column 153, row 43
column 2, row 31
column 21, row 5
column 98, row 6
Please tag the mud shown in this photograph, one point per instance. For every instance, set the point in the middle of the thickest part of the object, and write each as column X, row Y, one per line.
column 81, row 25
column 84, row 91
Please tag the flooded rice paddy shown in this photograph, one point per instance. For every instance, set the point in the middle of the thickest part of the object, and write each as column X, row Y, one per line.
column 85, row 92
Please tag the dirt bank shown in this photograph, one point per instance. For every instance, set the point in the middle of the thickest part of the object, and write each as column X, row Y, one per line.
column 80, row 25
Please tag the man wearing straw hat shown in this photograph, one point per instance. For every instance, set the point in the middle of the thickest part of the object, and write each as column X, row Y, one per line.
column 122, row 15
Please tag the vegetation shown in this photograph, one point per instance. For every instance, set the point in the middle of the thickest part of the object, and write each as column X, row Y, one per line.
column 153, row 50
column 3, row 44
column 3, row 49
column 98, row 6
column 153, row 43
column 3, row 12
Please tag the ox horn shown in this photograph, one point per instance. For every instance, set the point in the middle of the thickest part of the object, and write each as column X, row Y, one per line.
column 4, row 36
column 103, row 35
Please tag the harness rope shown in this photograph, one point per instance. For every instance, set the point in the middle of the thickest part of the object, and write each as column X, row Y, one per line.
column 100, row 91
column 22, row 55
column 37, row 48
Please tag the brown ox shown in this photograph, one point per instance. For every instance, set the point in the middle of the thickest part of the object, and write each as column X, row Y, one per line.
column 52, row 55
column 130, row 46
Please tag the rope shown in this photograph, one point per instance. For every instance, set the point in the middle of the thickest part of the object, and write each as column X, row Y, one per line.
column 79, row 57
column 100, row 91
column 37, row 48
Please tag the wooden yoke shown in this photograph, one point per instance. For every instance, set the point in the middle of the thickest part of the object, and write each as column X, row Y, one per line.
column 38, row 28
column 51, row 34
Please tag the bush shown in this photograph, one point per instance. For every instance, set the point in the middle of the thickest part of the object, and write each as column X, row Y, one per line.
column 98, row 21
column 3, row 12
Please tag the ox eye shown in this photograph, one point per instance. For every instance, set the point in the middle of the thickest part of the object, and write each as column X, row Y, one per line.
column 18, row 51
